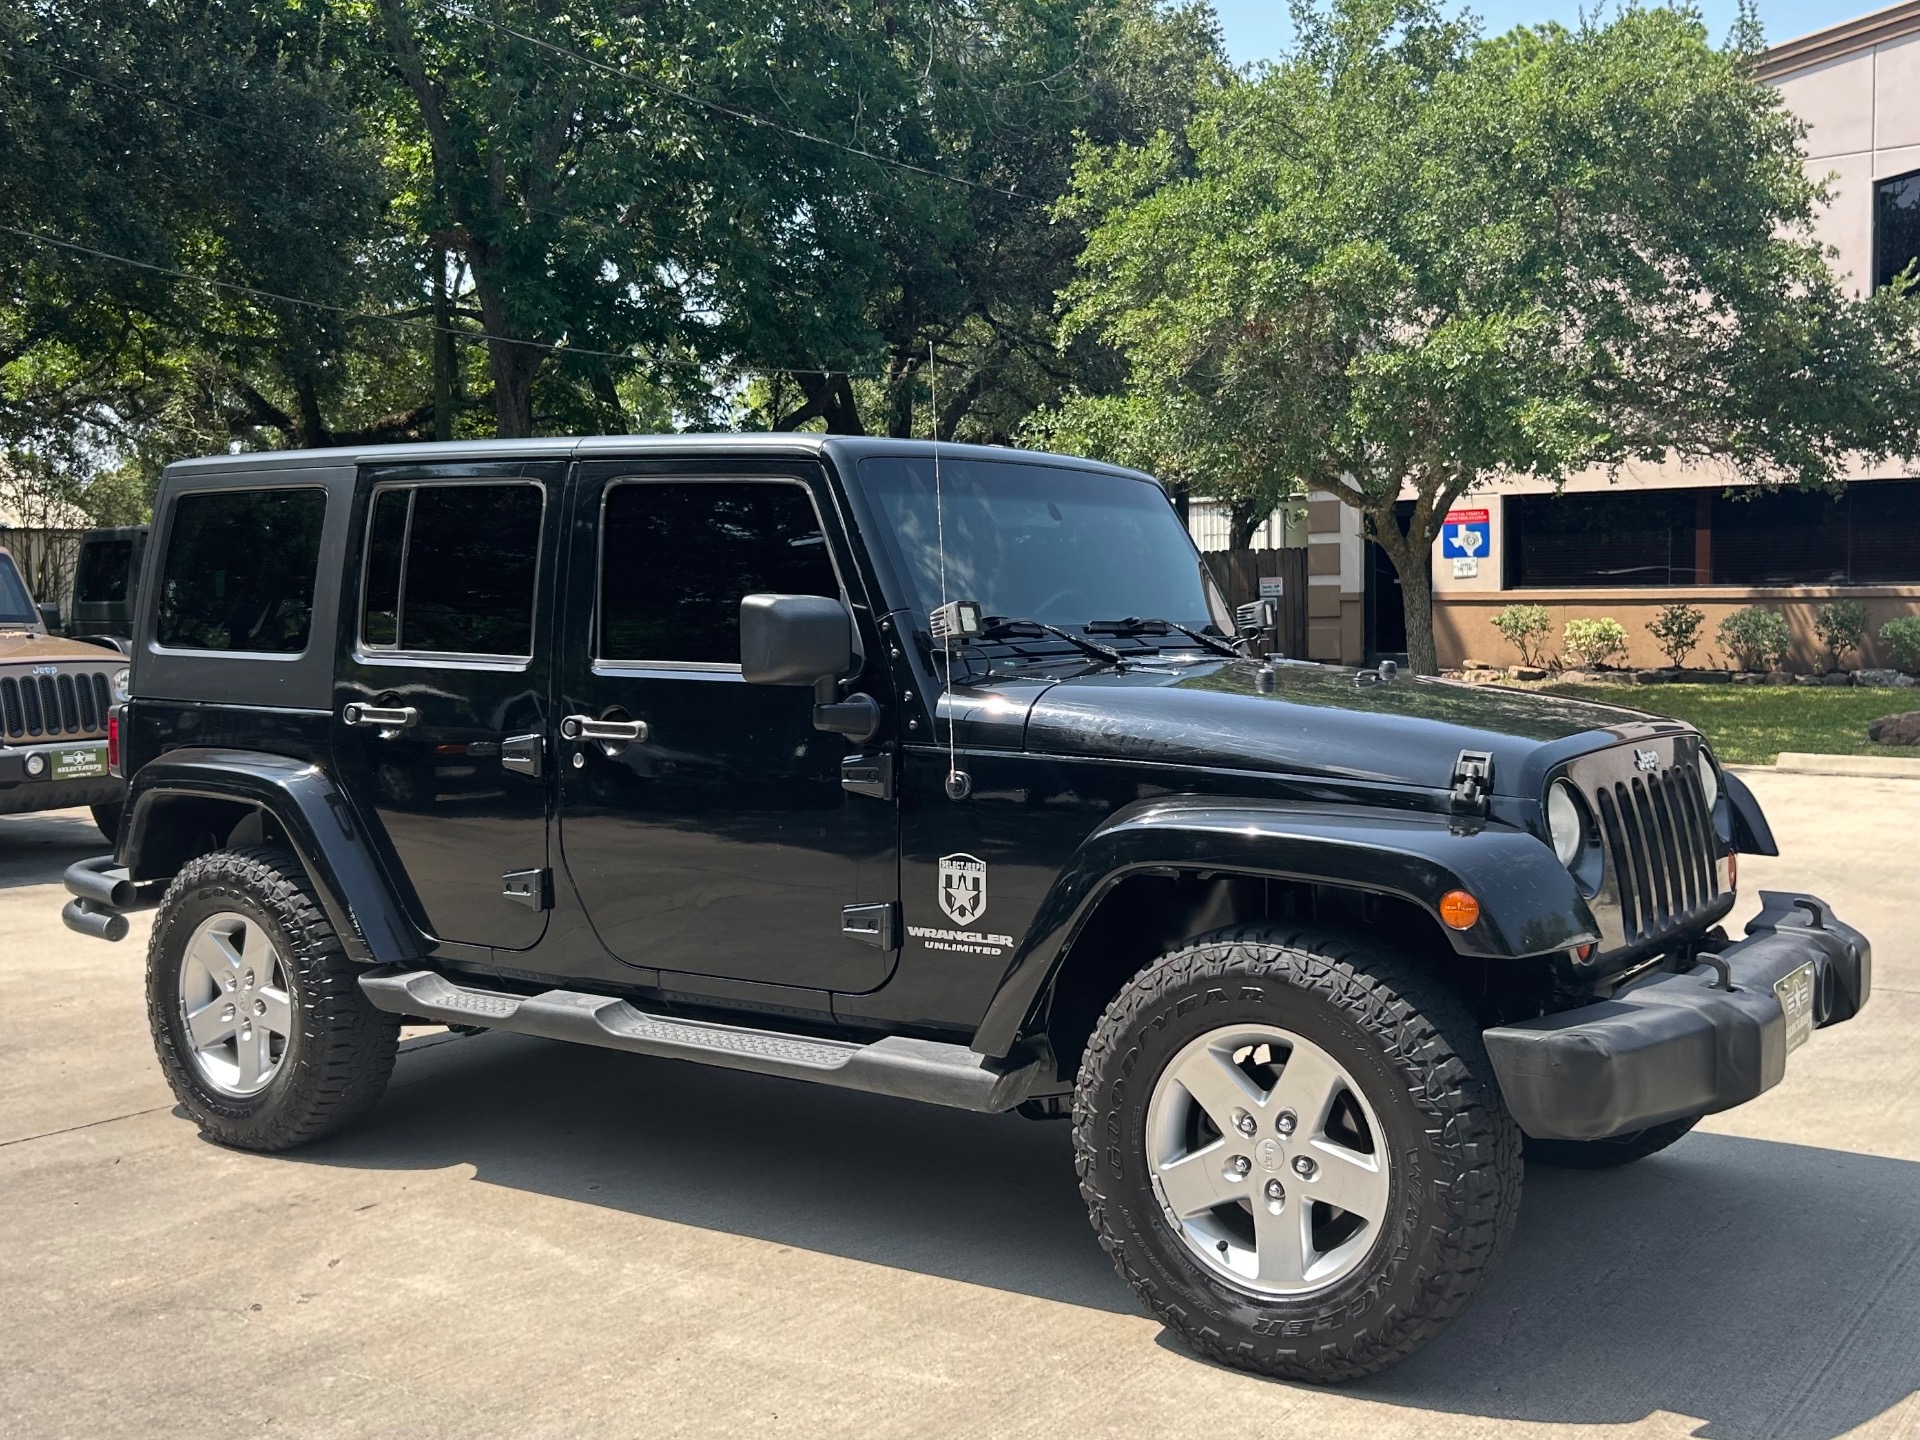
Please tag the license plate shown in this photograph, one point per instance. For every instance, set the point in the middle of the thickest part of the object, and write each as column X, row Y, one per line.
column 79, row 763
column 1794, row 991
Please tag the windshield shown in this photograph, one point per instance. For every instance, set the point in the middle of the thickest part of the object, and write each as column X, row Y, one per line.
column 16, row 606
column 1043, row 542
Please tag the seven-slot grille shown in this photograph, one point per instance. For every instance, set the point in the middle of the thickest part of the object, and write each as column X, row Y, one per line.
column 1660, row 848
column 52, row 707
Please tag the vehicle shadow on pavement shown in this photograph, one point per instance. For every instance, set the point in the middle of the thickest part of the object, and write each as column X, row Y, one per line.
column 37, row 849
column 1767, row 1289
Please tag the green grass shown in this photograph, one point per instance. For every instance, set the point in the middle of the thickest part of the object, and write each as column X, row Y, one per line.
column 1752, row 724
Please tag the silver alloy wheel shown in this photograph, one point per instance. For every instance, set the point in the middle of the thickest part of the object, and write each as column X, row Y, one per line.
column 234, row 1004
column 1267, row 1160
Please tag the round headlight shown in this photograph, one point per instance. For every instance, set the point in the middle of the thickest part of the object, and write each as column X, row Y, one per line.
column 1709, row 778
column 122, row 683
column 1564, row 824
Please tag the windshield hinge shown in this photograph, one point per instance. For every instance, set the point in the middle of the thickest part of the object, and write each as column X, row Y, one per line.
column 1472, row 782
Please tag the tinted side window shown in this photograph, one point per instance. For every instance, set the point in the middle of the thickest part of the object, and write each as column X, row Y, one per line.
column 451, row 568
column 239, row 571
column 16, row 606
column 676, row 557
column 103, row 571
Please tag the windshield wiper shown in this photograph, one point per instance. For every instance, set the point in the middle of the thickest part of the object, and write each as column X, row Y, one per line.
column 999, row 626
column 1137, row 625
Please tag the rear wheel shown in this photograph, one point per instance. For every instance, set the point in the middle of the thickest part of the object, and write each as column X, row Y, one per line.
column 257, row 1015
column 1614, row 1150
column 1292, row 1147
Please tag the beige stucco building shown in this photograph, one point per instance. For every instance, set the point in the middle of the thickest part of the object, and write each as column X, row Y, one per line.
column 1625, row 546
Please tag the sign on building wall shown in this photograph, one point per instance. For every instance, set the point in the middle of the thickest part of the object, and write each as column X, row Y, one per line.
column 1465, row 537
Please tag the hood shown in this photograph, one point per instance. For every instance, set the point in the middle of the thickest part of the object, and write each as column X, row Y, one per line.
column 1318, row 721
column 23, row 647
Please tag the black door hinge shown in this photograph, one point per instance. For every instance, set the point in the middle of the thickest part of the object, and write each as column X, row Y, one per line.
column 877, row 925
column 531, row 888
column 868, row 775
column 1472, row 782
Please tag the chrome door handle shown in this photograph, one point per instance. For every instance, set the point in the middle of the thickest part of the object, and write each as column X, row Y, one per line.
column 377, row 717
column 617, row 732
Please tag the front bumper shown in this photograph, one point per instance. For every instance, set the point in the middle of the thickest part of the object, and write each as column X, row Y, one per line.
column 1678, row 1045
column 22, row 791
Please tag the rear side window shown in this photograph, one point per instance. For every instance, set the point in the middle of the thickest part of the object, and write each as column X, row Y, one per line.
column 104, row 569
column 450, row 569
column 676, row 558
column 239, row 571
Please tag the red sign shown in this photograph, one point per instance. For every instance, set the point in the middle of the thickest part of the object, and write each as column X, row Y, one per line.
column 1467, row 517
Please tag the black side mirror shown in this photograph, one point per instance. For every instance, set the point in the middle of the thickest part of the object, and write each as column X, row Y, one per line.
column 50, row 614
column 794, row 639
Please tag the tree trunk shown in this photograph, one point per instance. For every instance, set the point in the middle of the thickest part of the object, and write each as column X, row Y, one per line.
column 1243, row 518
column 442, row 351
column 1411, row 552
column 1416, row 599
column 511, row 362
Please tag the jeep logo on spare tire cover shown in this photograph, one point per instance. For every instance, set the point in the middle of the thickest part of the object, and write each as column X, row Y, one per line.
column 963, row 888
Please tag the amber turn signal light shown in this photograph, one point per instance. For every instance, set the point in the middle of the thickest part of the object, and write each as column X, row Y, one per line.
column 1459, row 909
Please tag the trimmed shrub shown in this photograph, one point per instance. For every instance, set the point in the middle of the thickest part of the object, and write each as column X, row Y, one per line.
column 1901, row 636
column 1840, row 625
column 1526, row 628
column 1757, row 638
column 1677, row 629
column 1595, row 642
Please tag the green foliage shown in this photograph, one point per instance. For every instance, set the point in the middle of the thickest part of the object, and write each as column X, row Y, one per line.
column 1757, row 638
column 1752, row 724
column 1596, row 642
column 1677, row 631
column 1526, row 628
column 1901, row 636
column 1403, row 258
column 1840, row 624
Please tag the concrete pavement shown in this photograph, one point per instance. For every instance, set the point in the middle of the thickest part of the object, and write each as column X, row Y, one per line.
column 532, row 1239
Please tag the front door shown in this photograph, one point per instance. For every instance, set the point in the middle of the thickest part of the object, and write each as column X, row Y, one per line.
column 440, row 705
column 706, row 829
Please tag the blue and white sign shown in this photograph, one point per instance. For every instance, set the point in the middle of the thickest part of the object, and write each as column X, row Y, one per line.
column 1466, row 535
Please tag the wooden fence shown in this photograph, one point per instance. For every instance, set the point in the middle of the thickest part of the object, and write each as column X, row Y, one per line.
column 46, row 559
column 1238, row 573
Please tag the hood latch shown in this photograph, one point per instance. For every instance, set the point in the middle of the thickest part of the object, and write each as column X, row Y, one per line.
column 1472, row 782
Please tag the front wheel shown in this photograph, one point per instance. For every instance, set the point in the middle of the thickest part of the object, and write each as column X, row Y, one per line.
column 257, row 1016
column 1292, row 1147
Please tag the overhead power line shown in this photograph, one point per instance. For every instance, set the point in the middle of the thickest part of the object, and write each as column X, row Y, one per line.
column 416, row 321
column 720, row 107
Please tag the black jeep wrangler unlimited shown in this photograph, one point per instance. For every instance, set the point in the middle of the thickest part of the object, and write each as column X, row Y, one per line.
column 938, row 775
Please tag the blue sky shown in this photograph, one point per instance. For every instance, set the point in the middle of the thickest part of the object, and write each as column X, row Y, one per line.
column 1256, row 29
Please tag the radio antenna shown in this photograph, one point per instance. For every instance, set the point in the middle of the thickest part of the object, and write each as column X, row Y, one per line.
column 958, row 784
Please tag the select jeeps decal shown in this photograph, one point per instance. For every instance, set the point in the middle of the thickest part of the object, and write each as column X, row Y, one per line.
column 963, row 888
column 963, row 899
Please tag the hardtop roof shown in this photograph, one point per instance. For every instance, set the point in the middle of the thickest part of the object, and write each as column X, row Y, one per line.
column 848, row 448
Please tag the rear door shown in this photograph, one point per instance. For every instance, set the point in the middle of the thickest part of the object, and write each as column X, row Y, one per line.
column 440, row 700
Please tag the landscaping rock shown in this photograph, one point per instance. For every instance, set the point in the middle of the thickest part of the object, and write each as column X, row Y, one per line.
column 1837, row 677
column 1745, row 677
column 1526, row 672
column 1652, row 677
column 1703, row 677
column 1781, row 677
column 1903, row 729
column 1885, row 679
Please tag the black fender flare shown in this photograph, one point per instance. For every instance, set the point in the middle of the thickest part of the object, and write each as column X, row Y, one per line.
column 319, row 823
column 1529, row 902
column 1751, row 833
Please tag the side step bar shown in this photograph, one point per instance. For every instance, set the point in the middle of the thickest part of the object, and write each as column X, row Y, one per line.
column 911, row 1069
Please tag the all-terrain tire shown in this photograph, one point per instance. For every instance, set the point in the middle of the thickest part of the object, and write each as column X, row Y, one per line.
column 1614, row 1150
column 1413, row 1050
column 341, row 1048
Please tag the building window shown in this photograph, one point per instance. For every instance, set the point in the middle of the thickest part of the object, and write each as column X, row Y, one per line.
column 1896, row 226
column 1870, row 535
